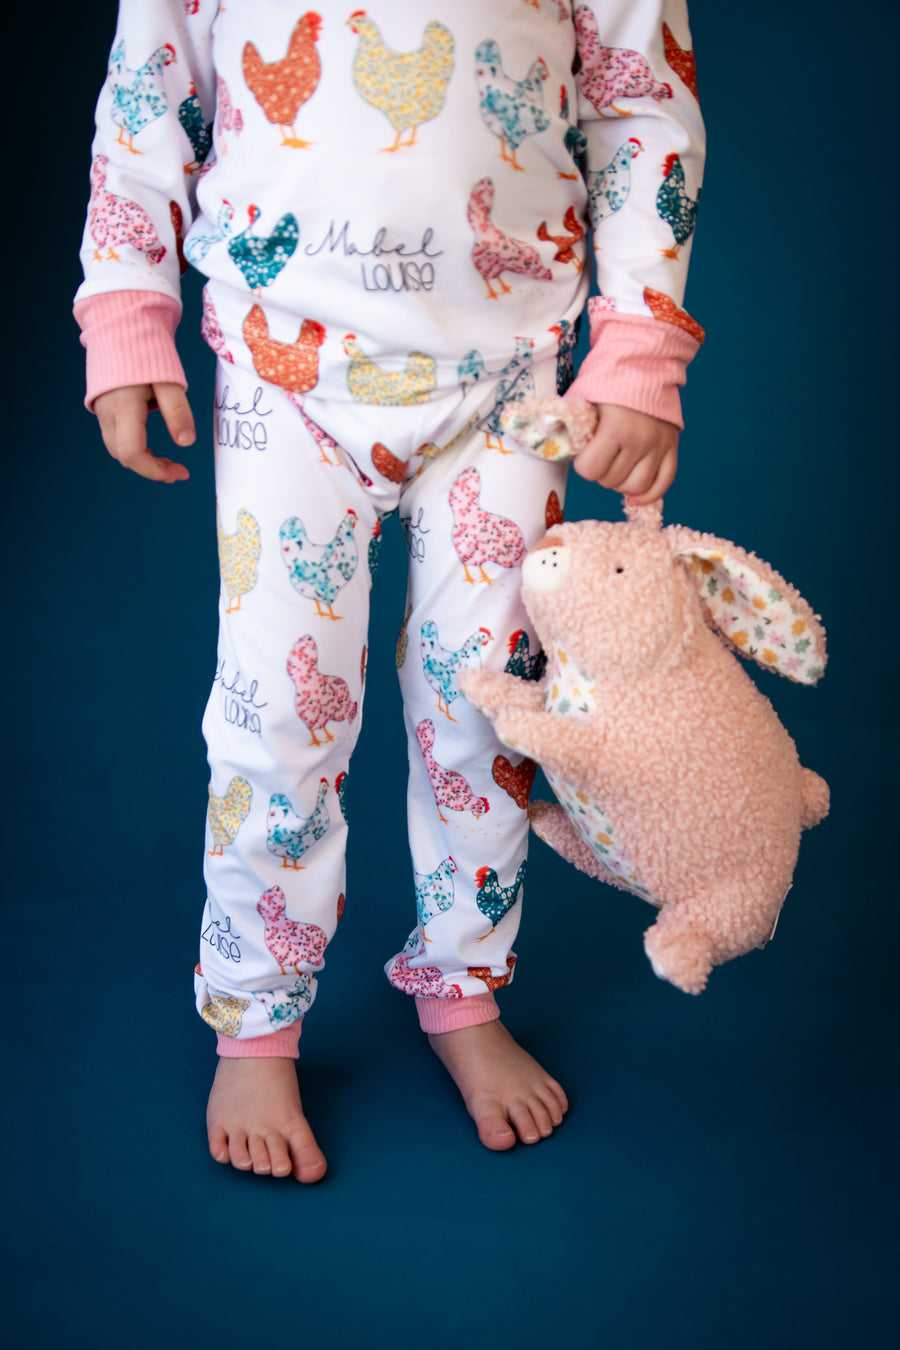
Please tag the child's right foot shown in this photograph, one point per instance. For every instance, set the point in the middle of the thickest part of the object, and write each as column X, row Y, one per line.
column 255, row 1121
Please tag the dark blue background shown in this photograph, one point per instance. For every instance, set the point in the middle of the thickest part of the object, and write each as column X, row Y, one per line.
column 726, row 1175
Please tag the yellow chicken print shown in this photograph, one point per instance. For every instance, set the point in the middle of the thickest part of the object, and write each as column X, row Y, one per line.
column 369, row 383
column 238, row 557
column 408, row 87
column 227, row 814
column 225, row 1014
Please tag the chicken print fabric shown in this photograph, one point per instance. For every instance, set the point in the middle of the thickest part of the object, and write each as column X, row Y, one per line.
column 392, row 212
column 308, row 150
column 409, row 88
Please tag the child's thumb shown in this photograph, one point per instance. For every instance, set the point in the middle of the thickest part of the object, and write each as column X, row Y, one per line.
column 176, row 412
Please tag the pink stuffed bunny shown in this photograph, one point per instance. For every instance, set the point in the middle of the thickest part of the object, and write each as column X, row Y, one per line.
column 676, row 779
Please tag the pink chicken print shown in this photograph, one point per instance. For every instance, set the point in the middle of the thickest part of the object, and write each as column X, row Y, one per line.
column 480, row 536
column 115, row 220
column 320, row 699
column 211, row 329
column 291, row 943
column 424, row 981
column 496, row 252
column 610, row 73
column 449, row 787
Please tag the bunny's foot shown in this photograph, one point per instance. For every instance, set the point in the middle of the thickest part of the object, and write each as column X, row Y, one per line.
column 679, row 954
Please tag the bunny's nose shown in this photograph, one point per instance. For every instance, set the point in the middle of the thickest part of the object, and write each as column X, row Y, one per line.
column 546, row 569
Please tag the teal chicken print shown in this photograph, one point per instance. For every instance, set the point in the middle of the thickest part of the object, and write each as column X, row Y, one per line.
column 320, row 571
column 608, row 189
column 434, row 892
column 196, row 128
column 290, row 835
column 493, row 900
column 138, row 96
column 441, row 666
column 260, row 257
column 408, row 87
column 511, row 109
column 675, row 206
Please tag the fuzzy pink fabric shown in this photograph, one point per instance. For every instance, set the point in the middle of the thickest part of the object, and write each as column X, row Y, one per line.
column 448, row 1014
column 698, row 781
column 638, row 362
column 130, row 339
column 283, row 1044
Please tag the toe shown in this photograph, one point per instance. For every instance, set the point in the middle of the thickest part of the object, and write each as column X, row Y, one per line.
column 259, row 1155
column 239, row 1152
column 218, row 1143
column 555, row 1099
column 542, row 1117
column 308, row 1159
column 494, row 1130
column 279, row 1156
column 522, row 1118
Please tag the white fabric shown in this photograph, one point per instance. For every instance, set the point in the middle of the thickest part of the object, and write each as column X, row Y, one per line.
column 267, row 923
column 385, row 244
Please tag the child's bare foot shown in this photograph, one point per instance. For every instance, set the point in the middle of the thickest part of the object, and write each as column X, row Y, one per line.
column 506, row 1092
column 255, row 1121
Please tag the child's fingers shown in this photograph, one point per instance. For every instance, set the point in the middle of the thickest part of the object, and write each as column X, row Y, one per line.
column 176, row 411
column 662, row 480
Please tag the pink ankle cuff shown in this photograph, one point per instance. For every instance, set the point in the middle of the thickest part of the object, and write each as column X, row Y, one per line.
column 448, row 1014
column 281, row 1044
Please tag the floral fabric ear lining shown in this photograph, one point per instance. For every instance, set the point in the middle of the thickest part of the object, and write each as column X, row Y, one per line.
column 755, row 618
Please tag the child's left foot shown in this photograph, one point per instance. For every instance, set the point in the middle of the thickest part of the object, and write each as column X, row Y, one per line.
column 506, row 1092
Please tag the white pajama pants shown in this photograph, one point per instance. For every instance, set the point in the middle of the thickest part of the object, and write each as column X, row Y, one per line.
column 301, row 492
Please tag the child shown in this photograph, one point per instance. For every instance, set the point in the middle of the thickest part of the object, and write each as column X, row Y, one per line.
column 391, row 212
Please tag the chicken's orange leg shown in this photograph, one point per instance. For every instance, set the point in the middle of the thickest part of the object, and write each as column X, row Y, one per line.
column 128, row 145
column 450, row 718
column 293, row 139
column 293, row 865
column 669, row 252
column 216, row 852
column 327, row 613
column 484, row 575
column 232, row 608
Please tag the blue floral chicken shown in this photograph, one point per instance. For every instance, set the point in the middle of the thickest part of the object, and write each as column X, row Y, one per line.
column 493, row 900
column 441, row 667
column 290, row 835
column 196, row 128
column 261, row 257
column 320, row 571
column 138, row 96
column 675, row 206
column 522, row 662
column 512, row 109
column 434, row 892
column 608, row 189
column 515, row 381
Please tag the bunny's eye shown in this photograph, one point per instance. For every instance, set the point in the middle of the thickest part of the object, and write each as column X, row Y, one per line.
column 620, row 569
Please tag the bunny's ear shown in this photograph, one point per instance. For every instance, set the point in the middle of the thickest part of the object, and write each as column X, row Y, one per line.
column 550, row 428
column 751, row 606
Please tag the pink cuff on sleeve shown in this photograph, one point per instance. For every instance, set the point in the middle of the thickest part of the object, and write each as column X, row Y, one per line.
column 130, row 339
column 637, row 362
column 283, row 1044
column 448, row 1014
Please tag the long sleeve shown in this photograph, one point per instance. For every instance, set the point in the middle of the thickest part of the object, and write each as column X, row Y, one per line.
column 153, row 122
column 643, row 151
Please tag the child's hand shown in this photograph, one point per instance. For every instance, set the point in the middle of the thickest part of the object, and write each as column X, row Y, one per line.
column 631, row 452
column 122, row 414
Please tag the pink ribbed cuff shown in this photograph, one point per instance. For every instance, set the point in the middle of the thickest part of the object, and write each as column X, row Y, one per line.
column 637, row 362
column 283, row 1044
column 130, row 339
column 449, row 1014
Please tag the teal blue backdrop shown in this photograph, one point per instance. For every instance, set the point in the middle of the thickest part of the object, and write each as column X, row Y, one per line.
column 726, row 1177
